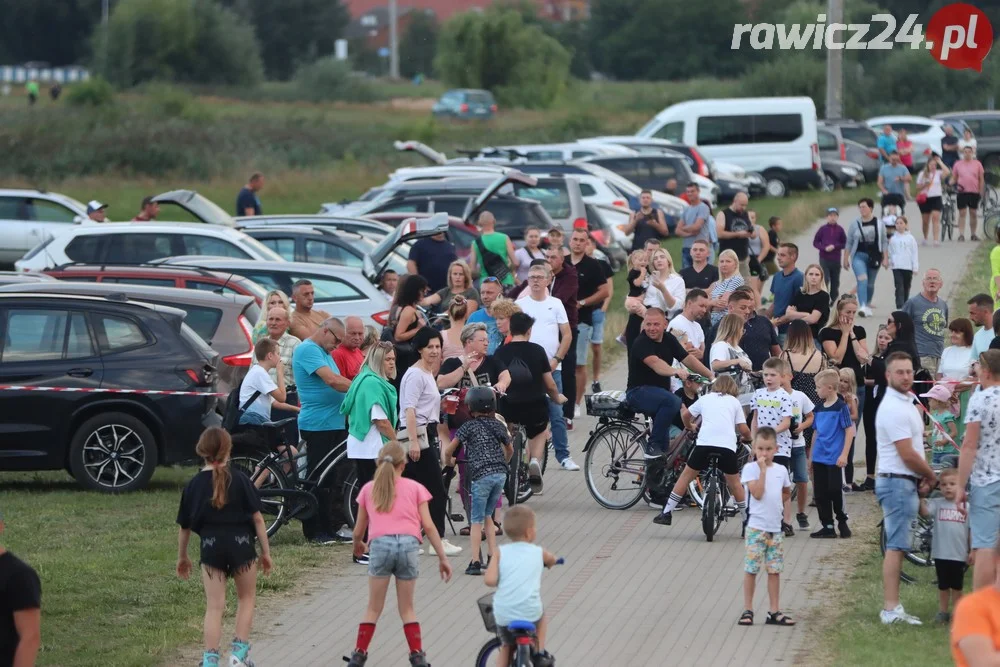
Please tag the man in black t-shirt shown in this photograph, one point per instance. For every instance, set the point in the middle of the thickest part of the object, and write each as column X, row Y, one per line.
column 701, row 274
column 430, row 257
column 646, row 223
column 592, row 290
column 247, row 201
column 949, row 147
column 732, row 225
column 20, row 610
column 650, row 368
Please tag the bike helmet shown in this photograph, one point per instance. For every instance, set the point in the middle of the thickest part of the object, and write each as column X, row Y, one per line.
column 480, row 399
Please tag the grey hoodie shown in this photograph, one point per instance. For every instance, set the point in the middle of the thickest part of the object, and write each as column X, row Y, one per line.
column 854, row 236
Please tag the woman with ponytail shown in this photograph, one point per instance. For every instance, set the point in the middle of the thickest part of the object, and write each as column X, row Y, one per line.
column 222, row 507
column 393, row 509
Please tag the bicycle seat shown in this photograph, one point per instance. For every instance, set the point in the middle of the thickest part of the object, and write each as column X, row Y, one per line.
column 521, row 626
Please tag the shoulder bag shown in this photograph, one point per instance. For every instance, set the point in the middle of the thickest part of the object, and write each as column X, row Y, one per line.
column 494, row 264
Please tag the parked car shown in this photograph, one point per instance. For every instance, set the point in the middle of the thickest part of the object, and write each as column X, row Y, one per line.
column 841, row 174
column 378, row 197
column 985, row 126
column 919, row 129
column 855, row 131
column 321, row 245
column 224, row 321
column 461, row 234
column 15, row 278
column 653, row 171
column 775, row 136
column 108, row 441
column 28, row 217
column 140, row 243
column 465, row 103
column 833, row 145
column 195, row 207
column 220, row 282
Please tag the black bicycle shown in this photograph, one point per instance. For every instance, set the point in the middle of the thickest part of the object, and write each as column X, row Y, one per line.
column 716, row 507
column 518, row 488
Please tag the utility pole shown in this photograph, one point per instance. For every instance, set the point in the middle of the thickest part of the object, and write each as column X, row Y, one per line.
column 834, row 66
column 104, row 12
column 393, row 42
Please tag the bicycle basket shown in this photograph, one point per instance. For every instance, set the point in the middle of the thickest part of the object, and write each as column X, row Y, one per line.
column 606, row 403
column 486, row 611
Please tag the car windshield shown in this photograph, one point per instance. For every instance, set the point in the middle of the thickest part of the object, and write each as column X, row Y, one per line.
column 553, row 197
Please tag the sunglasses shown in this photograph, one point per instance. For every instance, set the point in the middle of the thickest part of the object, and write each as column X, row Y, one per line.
column 490, row 279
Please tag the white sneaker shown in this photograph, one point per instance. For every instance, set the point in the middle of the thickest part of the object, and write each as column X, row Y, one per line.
column 450, row 549
column 865, row 312
column 568, row 464
column 577, row 412
column 897, row 615
column 345, row 533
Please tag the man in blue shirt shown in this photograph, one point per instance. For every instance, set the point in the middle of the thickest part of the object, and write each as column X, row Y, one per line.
column 785, row 285
column 894, row 182
column 321, row 390
column 430, row 257
column 886, row 144
column 247, row 201
column 489, row 291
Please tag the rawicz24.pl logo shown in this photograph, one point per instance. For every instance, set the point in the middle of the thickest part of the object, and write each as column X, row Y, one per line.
column 958, row 36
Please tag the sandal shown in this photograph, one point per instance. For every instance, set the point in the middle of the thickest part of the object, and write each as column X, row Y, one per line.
column 499, row 530
column 961, row 238
column 746, row 618
column 974, row 238
column 465, row 530
column 778, row 618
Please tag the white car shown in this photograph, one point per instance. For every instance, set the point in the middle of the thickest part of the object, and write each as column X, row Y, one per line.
column 919, row 129
column 141, row 242
column 28, row 217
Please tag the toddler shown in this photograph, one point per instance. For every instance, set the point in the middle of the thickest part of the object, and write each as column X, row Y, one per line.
column 950, row 547
column 848, row 390
column 940, row 397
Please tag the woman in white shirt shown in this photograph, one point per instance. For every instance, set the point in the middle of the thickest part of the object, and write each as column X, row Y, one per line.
column 967, row 140
column 929, row 183
column 666, row 287
column 727, row 357
column 956, row 363
column 531, row 251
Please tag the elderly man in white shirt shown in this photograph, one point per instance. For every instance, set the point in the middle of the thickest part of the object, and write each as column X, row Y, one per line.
column 901, row 471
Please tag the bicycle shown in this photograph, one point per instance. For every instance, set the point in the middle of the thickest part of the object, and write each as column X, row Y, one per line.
column 715, row 508
column 518, row 488
column 523, row 631
column 921, row 532
column 949, row 214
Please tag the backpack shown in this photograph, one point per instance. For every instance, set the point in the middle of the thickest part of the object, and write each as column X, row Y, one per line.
column 231, row 417
column 520, row 373
column 494, row 264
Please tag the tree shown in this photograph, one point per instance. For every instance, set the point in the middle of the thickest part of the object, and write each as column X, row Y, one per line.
column 418, row 45
column 188, row 41
column 292, row 32
column 53, row 31
column 497, row 51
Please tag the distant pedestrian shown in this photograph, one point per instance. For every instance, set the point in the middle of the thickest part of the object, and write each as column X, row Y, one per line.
column 734, row 231
column 894, row 182
column 493, row 252
column 148, row 210
column 646, row 223
column 905, row 148
column 930, row 188
column 221, row 505
column 830, row 240
column 95, row 211
column 248, row 201
column 866, row 253
column 970, row 177
column 55, row 91
column 904, row 259
column 305, row 319
column 886, row 144
column 20, row 609
column 32, row 88
column 949, row 147
column 695, row 224
column 348, row 355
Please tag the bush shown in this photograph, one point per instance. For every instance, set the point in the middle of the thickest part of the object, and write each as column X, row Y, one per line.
column 190, row 41
column 330, row 79
column 95, row 92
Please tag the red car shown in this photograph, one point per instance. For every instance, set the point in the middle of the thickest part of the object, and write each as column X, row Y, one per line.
column 165, row 276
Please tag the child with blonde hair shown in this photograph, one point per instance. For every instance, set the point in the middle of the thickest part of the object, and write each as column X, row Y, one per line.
column 848, row 390
column 393, row 509
column 834, row 437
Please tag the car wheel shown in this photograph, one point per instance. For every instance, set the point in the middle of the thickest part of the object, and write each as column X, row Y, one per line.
column 113, row 452
column 777, row 184
column 829, row 184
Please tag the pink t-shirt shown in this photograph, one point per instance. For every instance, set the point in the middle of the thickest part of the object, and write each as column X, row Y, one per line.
column 967, row 173
column 404, row 518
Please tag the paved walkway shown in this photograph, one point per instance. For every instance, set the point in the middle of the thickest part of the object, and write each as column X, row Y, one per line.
column 631, row 593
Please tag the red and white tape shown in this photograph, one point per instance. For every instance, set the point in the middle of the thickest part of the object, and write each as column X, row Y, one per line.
column 87, row 390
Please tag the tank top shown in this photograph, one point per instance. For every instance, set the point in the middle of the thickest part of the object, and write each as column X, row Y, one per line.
column 518, row 597
column 735, row 222
column 755, row 243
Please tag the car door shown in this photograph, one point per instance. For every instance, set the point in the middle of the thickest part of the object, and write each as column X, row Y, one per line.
column 284, row 245
column 16, row 229
column 42, row 346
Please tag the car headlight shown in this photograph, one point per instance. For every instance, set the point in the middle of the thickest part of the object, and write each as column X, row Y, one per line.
column 850, row 171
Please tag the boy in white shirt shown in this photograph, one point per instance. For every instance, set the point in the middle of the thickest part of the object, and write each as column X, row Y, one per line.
column 802, row 418
column 770, row 488
column 257, row 381
column 904, row 260
column 772, row 407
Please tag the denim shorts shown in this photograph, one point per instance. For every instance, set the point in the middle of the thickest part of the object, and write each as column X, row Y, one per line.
column 485, row 493
column 799, row 465
column 900, row 503
column 394, row 555
column 984, row 515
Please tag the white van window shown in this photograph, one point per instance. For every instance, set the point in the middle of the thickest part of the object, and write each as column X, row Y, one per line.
column 756, row 129
column 671, row 132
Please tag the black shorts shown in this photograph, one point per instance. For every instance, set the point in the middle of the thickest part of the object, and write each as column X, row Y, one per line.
column 950, row 574
column 932, row 204
column 893, row 199
column 756, row 270
column 228, row 553
column 728, row 463
column 968, row 200
column 785, row 461
column 534, row 416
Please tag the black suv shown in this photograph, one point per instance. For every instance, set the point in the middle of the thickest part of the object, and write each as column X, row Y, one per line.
column 108, row 441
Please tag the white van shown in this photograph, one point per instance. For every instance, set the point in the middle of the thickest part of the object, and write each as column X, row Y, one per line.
column 775, row 136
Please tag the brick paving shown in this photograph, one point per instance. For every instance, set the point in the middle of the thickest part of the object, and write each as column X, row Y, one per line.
column 630, row 593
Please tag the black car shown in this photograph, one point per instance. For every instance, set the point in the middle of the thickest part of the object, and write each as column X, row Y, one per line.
column 108, row 441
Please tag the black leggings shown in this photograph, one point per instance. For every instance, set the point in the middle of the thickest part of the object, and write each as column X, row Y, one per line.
column 868, row 417
column 365, row 471
column 569, row 378
column 330, row 510
column 829, row 496
column 427, row 471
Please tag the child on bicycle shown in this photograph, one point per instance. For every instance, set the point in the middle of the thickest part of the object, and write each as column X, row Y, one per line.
column 831, row 447
column 802, row 419
column 393, row 509
column 721, row 417
column 516, row 572
column 488, row 448
column 772, row 407
column 222, row 507
column 770, row 489
column 950, row 546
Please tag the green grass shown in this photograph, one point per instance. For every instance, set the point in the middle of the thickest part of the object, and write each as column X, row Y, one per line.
column 975, row 280
column 109, row 593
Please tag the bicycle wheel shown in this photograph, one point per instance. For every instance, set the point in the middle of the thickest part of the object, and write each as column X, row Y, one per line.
column 920, row 541
column 614, row 466
column 267, row 477
column 350, row 499
column 710, row 511
column 990, row 221
column 489, row 654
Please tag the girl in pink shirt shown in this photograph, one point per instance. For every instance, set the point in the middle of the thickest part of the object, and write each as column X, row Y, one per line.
column 393, row 510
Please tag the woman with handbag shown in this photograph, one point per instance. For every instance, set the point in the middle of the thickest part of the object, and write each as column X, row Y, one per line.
column 929, row 193
column 865, row 253
column 419, row 413
column 405, row 319
column 370, row 406
column 473, row 368
column 726, row 356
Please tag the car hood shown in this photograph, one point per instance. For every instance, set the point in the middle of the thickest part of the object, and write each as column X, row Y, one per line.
column 201, row 207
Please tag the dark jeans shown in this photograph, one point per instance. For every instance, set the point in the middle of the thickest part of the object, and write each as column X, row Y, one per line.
column 902, row 278
column 330, row 513
column 569, row 378
column 427, row 471
column 868, row 416
column 365, row 470
column 829, row 495
column 832, row 271
column 662, row 405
